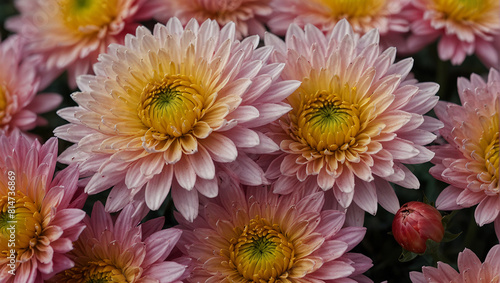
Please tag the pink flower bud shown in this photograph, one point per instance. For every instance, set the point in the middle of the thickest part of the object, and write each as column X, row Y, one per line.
column 414, row 223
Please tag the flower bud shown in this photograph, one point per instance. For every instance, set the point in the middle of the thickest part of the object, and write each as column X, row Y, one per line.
column 414, row 223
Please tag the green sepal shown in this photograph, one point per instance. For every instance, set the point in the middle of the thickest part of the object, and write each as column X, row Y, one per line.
column 406, row 256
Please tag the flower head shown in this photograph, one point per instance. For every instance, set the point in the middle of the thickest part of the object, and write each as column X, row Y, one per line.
column 248, row 16
column 355, row 120
column 69, row 34
column 463, row 26
column 363, row 15
column 469, row 163
column 39, row 215
column 122, row 250
column 19, row 83
column 415, row 223
column 470, row 269
column 252, row 235
column 168, row 108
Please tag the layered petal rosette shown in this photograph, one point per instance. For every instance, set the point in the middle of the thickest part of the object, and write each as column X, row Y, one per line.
column 69, row 34
column 463, row 27
column 167, row 108
column 469, row 162
column 123, row 250
column 40, row 216
column 470, row 269
column 356, row 119
column 19, row 84
column 249, row 234
column 249, row 16
column 363, row 15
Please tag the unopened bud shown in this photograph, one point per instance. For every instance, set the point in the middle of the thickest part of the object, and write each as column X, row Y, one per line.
column 415, row 223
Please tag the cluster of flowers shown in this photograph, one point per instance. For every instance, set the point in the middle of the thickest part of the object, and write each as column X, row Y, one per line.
column 271, row 148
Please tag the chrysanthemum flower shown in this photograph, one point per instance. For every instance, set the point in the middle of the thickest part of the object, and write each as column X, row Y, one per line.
column 167, row 108
column 123, row 250
column 357, row 117
column 464, row 28
column 39, row 214
column 257, row 236
column 70, row 34
column 19, row 84
column 363, row 15
column 249, row 16
column 470, row 269
column 469, row 163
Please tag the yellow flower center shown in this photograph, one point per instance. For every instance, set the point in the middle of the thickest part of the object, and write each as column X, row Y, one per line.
column 328, row 122
column 79, row 15
column 261, row 253
column 102, row 271
column 491, row 144
column 353, row 8
column 171, row 107
column 465, row 10
column 3, row 102
column 21, row 226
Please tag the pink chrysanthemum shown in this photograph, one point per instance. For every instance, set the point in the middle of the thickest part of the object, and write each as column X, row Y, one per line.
column 70, row 34
column 357, row 117
column 464, row 27
column 19, row 83
column 167, row 108
column 123, row 250
column 39, row 215
column 363, row 15
column 469, row 163
column 257, row 236
column 249, row 16
column 469, row 266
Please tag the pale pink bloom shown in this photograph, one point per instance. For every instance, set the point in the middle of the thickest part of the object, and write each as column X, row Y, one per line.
column 168, row 108
column 44, row 211
column 470, row 269
column 249, row 234
column 363, row 15
column 70, row 34
column 19, row 83
column 249, row 16
column 469, row 163
column 463, row 28
column 356, row 120
column 121, row 249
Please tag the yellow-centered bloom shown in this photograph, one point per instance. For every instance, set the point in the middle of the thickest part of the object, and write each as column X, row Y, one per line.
column 39, row 215
column 356, row 119
column 171, row 107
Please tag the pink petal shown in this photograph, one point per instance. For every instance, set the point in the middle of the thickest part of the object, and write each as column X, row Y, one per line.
column 285, row 184
column 333, row 270
column 185, row 174
column 160, row 244
column 221, row 148
column 365, row 196
column 158, row 188
column 487, row 210
column 331, row 223
column 202, row 164
column 166, row 272
column 468, row 261
column 386, row 196
column 208, row 188
column 447, row 199
column 185, row 201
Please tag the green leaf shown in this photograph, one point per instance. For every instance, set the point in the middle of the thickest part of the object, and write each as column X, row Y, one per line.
column 407, row 256
column 448, row 236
